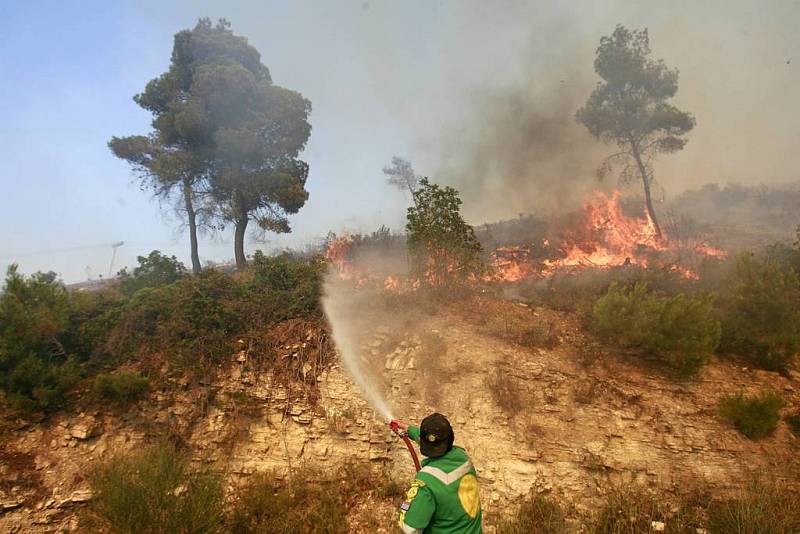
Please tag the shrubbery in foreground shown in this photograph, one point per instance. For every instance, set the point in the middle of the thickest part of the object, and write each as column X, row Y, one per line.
column 759, row 508
column 537, row 515
column 761, row 316
column 154, row 491
column 37, row 364
column 679, row 330
column 157, row 490
column 754, row 416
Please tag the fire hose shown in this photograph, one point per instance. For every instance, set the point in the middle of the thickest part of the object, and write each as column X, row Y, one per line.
column 395, row 426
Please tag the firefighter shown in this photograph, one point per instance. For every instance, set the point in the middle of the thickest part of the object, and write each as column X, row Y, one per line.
column 443, row 499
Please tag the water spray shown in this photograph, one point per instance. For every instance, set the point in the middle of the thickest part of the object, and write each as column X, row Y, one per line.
column 339, row 304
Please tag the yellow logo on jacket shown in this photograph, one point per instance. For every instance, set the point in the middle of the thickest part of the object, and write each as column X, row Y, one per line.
column 469, row 496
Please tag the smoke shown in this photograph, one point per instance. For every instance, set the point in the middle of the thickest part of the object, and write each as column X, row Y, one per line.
column 521, row 151
column 511, row 144
column 482, row 96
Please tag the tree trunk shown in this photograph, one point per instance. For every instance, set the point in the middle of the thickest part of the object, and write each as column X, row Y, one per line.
column 647, row 199
column 238, row 238
column 192, row 216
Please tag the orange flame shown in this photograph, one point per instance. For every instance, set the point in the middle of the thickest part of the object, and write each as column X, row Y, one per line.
column 602, row 237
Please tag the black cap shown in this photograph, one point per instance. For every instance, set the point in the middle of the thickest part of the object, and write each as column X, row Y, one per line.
column 435, row 436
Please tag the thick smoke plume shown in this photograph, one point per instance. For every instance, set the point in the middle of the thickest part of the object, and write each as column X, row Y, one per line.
column 522, row 151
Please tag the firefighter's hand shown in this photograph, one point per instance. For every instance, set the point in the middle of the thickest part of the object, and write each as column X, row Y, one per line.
column 402, row 426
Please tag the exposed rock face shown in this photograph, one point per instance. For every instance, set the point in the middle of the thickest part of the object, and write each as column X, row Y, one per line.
column 580, row 425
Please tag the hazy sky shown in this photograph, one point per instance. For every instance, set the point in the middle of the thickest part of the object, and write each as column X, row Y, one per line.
column 479, row 94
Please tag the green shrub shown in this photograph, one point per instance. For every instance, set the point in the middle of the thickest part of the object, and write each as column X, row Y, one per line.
column 192, row 322
column 539, row 515
column 92, row 315
column 195, row 320
column 154, row 270
column 281, row 288
column 122, row 388
column 36, row 370
column 754, row 416
column 154, row 491
column 678, row 330
column 761, row 508
column 761, row 315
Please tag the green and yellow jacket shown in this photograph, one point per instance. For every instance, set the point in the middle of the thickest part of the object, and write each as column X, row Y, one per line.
column 443, row 499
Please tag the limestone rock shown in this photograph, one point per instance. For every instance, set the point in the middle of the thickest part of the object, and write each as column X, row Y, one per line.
column 85, row 428
column 77, row 497
column 10, row 504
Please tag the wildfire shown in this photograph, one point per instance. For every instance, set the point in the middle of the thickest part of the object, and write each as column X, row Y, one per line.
column 602, row 236
column 607, row 237
column 338, row 254
column 511, row 264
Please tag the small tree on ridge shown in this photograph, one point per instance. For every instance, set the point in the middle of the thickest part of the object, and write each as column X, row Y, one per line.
column 442, row 245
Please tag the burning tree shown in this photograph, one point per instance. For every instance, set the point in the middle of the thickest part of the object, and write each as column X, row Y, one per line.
column 629, row 108
column 442, row 245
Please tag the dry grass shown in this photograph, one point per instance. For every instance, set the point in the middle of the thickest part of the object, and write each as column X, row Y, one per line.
column 585, row 391
column 505, row 391
column 513, row 322
column 537, row 515
column 762, row 507
column 311, row 501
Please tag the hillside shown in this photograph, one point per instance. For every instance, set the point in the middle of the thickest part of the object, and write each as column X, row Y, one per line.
column 570, row 418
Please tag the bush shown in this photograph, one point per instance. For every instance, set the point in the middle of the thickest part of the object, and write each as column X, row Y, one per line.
column 539, row 515
column 36, row 370
column 193, row 321
column 759, row 508
column 122, row 388
column 505, row 391
column 754, row 416
column 678, row 330
column 305, row 504
column 154, row 270
column 154, row 491
column 281, row 288
column 628, row 510
column 761, row 316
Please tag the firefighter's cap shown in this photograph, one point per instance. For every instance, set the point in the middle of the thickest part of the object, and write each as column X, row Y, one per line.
column 435, row 436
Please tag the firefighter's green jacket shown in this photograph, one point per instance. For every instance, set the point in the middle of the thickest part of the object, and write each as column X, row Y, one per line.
column 443, row 499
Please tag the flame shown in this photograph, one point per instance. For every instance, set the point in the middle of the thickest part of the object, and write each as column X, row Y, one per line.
column 511, row 264
column 607, row 237
column 601, row 237
column 339, row 252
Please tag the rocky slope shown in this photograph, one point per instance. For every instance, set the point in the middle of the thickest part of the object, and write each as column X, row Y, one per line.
column 569, row 417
